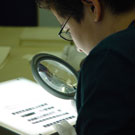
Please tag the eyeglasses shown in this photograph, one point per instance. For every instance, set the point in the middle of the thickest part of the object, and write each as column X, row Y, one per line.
column 65, row 34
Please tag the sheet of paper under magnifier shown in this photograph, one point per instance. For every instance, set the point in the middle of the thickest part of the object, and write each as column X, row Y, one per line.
column 27, row 109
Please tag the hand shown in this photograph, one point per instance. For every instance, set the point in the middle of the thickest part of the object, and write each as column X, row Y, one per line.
column 64, row 128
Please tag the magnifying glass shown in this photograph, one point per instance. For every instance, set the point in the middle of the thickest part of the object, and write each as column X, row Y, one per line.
column 55, row 75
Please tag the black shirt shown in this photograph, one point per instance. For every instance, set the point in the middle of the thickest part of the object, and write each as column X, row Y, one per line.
column 106, row 87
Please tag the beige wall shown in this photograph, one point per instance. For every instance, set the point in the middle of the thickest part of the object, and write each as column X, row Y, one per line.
column 46, row 18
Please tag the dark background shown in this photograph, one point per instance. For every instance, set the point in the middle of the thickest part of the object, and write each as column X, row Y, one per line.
column 18, row 13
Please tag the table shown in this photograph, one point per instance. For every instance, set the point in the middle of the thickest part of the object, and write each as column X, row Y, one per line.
column 24, row 43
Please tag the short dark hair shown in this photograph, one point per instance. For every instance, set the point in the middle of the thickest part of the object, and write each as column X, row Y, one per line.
column 119, row 6
column 75, row 7
column 64, row 8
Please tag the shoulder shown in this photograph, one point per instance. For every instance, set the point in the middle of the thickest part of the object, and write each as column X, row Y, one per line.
column 121, row 44
column 115, row 55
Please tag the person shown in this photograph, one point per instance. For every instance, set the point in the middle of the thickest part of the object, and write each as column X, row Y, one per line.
column 105, row 31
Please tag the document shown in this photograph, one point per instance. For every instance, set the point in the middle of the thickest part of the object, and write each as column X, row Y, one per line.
column 27, row 109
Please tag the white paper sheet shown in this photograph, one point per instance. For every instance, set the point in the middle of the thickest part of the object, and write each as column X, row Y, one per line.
column 26, row 108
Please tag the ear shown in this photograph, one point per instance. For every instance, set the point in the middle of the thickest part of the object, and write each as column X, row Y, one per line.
column 95, row 6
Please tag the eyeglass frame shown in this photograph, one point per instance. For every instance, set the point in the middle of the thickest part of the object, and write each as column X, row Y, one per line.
column 61, row 30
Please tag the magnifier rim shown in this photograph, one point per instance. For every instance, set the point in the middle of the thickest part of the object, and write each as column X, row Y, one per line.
column 44, row 56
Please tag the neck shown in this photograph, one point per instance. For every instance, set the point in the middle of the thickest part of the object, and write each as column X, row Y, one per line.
column 112, row 24
column 109, row 24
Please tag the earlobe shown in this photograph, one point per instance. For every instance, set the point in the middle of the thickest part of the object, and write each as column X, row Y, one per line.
column 95, row 7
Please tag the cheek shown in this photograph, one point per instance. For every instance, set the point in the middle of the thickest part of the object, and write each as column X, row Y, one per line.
column 77, row 34
column 80, row 44
column 78, row 40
